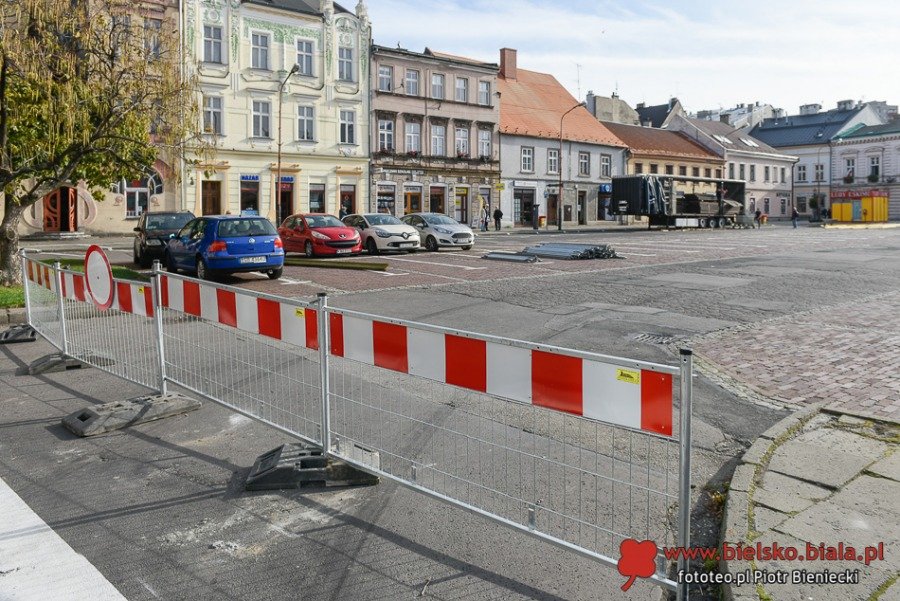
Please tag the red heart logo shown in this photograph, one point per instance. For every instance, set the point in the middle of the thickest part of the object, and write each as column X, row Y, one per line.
column 638, row 560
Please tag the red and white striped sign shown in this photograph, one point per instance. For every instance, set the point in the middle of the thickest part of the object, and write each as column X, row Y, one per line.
column 275, row 319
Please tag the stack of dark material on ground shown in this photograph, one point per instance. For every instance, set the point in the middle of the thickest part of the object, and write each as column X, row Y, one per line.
column 569, row 250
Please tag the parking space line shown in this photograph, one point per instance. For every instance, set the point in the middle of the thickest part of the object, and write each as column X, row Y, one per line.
column 437, row 264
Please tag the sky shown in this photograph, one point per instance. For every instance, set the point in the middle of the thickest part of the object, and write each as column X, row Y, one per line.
column 710, row 55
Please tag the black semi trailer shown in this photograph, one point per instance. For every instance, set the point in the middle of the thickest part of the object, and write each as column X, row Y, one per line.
column 679, row 201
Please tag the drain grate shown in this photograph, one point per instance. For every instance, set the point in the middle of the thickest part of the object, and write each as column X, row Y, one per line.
column 661, row 339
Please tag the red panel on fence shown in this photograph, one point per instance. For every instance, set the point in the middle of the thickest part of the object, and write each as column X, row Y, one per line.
column 389, row 345
column 123, row 293
column 310, row 320
column 227, row 307
column 336, row 323
column 269, row 318
column 192, row 298
column 556, row 382
column 656, row 402
column 148, row 300
column 466, row 362
column 78, row 284
column 164, row 288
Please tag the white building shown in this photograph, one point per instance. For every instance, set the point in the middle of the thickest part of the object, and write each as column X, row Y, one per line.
column 244, row 53
column 866, row 162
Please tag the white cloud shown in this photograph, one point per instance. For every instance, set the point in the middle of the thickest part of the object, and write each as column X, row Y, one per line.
column 784, row 53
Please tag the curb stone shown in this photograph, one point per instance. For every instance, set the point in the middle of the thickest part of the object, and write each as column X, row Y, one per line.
column 12, row 316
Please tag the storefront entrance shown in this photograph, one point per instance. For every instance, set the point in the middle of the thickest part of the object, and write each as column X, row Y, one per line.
column 552, row 209
column 348, row 198
column 436, row 199
column 386, row 199
column 61, row 211
column 523, row 206
column 461, row 212
column 286, row 200
column 211, row 198
column 412, row 201
column 582, row 208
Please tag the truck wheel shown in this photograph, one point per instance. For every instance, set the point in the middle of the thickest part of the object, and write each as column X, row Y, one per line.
column 716, row 222
column 703, row 222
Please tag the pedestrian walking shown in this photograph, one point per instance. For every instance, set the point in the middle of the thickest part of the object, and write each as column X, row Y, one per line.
column 485, row 218
column 498, row 215
column 757, row 217
column 795, row 215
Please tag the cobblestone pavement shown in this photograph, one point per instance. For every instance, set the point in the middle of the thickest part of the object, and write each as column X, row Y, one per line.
column 847, row 356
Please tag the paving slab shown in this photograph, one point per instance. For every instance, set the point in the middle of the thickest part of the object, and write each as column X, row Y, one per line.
column 817, row 464
column 892, row 594
column 889, row 467
column 873, row 496
column 785, row 502
column 846, row 442
column 767, row 519
column 779, row 483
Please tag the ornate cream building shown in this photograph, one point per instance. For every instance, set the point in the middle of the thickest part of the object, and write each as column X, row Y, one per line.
column 245, row 53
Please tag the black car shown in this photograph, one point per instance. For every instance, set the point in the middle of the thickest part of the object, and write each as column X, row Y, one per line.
column 152, row 233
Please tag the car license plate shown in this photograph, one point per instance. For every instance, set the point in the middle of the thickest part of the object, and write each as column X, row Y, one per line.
column 342, row 251
column 405, row 244
column 253, row 260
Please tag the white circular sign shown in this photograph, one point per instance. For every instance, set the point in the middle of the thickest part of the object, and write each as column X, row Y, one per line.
column 98, row 277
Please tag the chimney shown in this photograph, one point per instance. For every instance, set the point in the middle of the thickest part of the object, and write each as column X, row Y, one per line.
column 508, row 63
column 640, row 105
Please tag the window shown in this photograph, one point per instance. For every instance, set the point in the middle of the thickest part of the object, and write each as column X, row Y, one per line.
column 212, row 115
column 552, row 160
column 695, row 171
column 152, row 44
column 718, row 173
column 783, row 205
column 638, row 167
column 259, row 51
column 438, row 140
column 305, row 121
column 801, row 173
column 385, row 78
column 766, row 173
column 752, row 173
column 412, row 82
column 212, row 44
column 484, row 93
column 670, row 169
column 606, row 166
column 654, row 168
column 249, row 195
column 414, row 137
column 385, row 135
column 682, row 170
column 584, row 163
column 484, row 143
column 707, row 172
column 741, row 173
column 305, row 57
column 262, row 111
column 348, row 127
column 874, row 167
column 437, row 85
column 820, row 172
column 766, row 206
column 849, row 167
column 345, row 64
column 317, row 198
column 783, row 178
column 462, row 89
column 462, row 141
column 730, row 170
column 527, row 164
column 801, row 204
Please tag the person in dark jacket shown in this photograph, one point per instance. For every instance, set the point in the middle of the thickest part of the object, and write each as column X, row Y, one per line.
column 795, row 215
column 498, row 215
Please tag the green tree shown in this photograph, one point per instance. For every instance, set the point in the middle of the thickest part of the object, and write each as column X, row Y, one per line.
column 90, row 90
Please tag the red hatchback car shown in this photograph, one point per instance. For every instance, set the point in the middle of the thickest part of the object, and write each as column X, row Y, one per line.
column 318, row 234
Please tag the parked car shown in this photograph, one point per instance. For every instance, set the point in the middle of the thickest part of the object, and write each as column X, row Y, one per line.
column 383, row 232
column 219, row 244
column 319, row 234
column 152, row 233
column 439, row 230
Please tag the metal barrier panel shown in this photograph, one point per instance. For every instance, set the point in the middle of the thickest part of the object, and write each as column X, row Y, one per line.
column 121, row 339
column 254, row 353
column 40, row 282
column 511, row 430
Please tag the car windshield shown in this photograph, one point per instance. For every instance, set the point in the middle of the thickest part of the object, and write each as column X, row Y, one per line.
column 167, row 222
column 241, row 228
column 434, row 219
column 323, row 221
column 383, row 220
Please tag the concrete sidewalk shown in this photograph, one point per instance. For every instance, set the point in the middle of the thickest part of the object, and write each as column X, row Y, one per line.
column 817, row 478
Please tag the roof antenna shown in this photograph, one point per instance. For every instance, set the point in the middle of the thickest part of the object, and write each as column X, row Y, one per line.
column 578, row 70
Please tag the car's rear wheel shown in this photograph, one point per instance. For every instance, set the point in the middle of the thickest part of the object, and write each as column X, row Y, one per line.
column 467, row 247
column 144, row 261
column 136, row 254
column 371, row 246
column 170, row 264
column 274, row 274
column 308, row 249
column 431, row 243
column 203, row 272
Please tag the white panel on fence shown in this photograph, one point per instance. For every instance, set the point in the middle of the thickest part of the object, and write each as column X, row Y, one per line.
column 426, row 354
column 247, row 313
column 358, row 340
column 609, row 397
column 209, row 303
column 176, row 294
column 293, row 324
column 509, row 372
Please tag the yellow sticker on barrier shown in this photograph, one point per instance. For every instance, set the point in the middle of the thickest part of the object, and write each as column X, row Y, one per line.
column 628, row 375
column 140, row 290
column 298, row 312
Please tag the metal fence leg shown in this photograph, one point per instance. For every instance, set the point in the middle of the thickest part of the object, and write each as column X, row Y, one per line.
column 156, row 283
column 25, row 288
column 684, row 464
column 61, row 308
column 324, row 348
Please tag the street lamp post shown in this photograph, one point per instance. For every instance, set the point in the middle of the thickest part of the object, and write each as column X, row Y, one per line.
column 559, row 192
column 293, row 70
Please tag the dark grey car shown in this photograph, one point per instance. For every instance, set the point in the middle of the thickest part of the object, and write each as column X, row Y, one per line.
column 152, row 234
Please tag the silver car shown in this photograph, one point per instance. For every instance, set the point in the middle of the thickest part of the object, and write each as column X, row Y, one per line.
column 438, row 230
column 380, row 232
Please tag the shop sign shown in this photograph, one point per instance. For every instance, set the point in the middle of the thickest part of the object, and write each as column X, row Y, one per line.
column 500, row 186
column 287, row 179
column 857, row 193
column 524, row 184
column 605, row 188
column 249, row 178
column 403, row 172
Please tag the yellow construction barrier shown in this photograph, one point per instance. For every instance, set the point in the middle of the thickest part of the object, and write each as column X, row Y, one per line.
column 865, row 209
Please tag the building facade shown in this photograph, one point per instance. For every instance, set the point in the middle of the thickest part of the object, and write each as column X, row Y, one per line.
column 865, row 162
column 743, row 115
column 548, row 138
column 611, row 109
column 808, row 136
column 284, row 75
column 435, row 136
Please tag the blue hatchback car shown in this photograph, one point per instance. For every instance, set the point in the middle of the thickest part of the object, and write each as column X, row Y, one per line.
column 220, row 244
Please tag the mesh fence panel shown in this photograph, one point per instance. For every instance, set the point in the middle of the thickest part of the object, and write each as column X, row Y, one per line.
column 43, row 301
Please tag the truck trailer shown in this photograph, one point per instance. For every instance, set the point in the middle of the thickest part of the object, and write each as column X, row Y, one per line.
column 679, row 201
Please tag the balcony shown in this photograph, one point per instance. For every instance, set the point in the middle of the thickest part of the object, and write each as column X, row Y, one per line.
column 390, row 158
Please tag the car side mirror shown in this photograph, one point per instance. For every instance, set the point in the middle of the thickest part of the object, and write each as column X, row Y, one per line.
column 171, row 236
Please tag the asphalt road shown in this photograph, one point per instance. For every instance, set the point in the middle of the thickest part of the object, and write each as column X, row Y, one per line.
column 159, row 508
